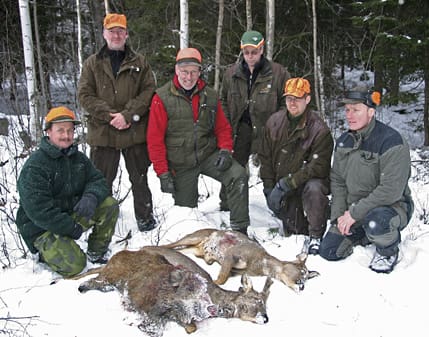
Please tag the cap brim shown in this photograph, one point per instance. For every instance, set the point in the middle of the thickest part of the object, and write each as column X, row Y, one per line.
column 350, row 101
column 110, row 26
column 188, row 63
column 75, row 122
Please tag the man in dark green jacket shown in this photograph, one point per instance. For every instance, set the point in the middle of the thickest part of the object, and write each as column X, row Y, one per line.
column 252, row 90
column 371, row 200
column 295, row 163
column 115, row 89
column 62, row 195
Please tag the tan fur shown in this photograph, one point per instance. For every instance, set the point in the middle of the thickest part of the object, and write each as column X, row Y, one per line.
column 235, row 252
column 165, row 285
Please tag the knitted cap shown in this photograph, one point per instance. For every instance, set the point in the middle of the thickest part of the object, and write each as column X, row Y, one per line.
column 115, row 20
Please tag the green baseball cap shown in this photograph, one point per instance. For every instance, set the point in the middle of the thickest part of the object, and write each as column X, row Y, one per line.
column 252, row 38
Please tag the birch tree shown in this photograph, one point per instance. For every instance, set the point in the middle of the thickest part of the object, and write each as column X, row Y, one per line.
column 184, row 24
column 249, row 21
column 270, row 24
column 218, row 43
column 315, row 56
column 27, row 42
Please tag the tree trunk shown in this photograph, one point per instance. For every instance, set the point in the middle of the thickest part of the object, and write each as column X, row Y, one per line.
column 316, row 68
column 270, row 24
column 218, row 43
column 426, row 105
column 184, row 24
column 249, row 21
column 27, row 42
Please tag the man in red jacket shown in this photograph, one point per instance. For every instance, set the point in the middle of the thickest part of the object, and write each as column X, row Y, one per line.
column 188, row 135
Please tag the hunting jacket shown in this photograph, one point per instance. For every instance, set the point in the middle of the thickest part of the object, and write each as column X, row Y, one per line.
column 265, row 98
column 184, row 131
column 297, row 155
column 101, row 93
column 51, row 182
column 371, row 169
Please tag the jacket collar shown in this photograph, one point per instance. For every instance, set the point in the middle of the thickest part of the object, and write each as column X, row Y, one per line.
column 55, row 152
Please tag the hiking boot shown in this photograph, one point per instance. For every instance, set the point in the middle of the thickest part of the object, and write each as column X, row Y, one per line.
column 311, row 245
column 383, row 264
column 97, row 257
column 146, row 225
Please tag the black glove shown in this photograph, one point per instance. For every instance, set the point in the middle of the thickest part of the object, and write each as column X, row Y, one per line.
column 77, row 231
column 224, row 160
column 167, row 183
column 276, row 196
column 86, row 206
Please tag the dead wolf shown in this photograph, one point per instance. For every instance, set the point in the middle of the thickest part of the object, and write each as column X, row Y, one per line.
column 236, row 253
column 162, row 290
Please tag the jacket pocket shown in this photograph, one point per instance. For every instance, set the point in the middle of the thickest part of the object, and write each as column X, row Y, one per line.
column 176, row 151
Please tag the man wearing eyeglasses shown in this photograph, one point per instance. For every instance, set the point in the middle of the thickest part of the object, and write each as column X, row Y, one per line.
column 252, row 90
column 115, row 88
column 189, row 135
column 295, row 159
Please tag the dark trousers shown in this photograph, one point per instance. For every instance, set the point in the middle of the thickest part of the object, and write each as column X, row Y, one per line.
column 381, row 226
column 137, row 162
column 242, row 150
column 306, row 210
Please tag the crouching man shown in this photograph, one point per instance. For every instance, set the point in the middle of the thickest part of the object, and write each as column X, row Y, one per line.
column 61, row 196
column 371, row 200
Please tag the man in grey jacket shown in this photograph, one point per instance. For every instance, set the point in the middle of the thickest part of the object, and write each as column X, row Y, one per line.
column 371, row 200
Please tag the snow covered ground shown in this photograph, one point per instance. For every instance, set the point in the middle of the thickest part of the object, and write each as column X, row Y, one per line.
column 347, row 299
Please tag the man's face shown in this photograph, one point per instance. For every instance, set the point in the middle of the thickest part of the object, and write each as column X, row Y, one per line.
column 358, row 115
column 252, row 55
column 61, row 134
column 296, row 105
column 115, row 38
column 188, row 75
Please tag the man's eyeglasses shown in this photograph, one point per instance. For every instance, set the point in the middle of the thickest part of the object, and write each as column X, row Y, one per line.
column 192, row 73
column 117, row 31
column 252, row 52
column 290, row 99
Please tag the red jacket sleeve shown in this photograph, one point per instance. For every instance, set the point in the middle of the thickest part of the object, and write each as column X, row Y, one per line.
column 157, row 126
column 222, row 130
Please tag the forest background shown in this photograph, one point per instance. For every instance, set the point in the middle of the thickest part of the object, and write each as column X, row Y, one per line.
column 389, row 38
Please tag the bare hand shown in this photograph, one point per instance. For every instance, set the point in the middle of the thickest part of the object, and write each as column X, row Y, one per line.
column 345, row 222
column 118, row 121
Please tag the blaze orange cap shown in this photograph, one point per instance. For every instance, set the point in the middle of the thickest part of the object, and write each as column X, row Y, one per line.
column 60, row 114
column 189, row 56
column 115, row 20
column 297, row 87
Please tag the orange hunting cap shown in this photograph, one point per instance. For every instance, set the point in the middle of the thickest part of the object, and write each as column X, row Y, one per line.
column 297, row 87
column 189, row 56
column 60, row 114
column 115, row 20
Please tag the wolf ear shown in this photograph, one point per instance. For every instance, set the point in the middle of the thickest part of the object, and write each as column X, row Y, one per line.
column 302, row 257
column 246, row 283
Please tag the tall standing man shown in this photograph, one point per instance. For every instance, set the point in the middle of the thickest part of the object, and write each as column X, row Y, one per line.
column 295, row 164
column 115, row 89
column 189, row 135
column 251, row 91
column 371, row 200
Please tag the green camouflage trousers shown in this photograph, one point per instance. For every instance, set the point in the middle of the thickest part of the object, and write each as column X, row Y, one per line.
column 63, row 255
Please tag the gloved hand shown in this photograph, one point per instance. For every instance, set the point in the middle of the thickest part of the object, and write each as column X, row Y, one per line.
column 277, row 194
column 167, row 183
column 224, row 160
column 86, row 206
column 77, row 231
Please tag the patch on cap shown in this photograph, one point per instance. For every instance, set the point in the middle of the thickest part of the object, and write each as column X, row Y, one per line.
column 252, row 38
column 297, row 87
column 362, row 94
column 115, row 20
column 60, row 114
